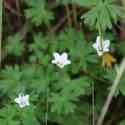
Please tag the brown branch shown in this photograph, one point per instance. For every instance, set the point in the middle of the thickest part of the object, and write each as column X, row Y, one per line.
column 18, row 10
column 74, row 7
column 58, row 25
column 10, row 9
column 111, row 93
column 53, row 29
column 68, row 15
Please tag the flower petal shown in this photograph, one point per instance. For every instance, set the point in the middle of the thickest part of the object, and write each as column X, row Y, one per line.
column 95, row 46
column 54, row 61
column 68, row 62
column 64, row 55
column 26, row 97
column 98, row 39
column 17, row 100
column 106, row 44
column 56, row 55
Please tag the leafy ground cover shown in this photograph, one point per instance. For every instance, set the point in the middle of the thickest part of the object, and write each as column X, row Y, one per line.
column 59, row 60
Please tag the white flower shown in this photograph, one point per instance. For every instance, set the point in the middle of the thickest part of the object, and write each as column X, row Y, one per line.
column 101, row 49
column 61, row 59
column 22, row 100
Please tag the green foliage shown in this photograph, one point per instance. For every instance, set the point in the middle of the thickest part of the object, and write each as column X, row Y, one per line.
column 15, row 45
column 36, row 78
column 29, row 118
column 62, row 104
column 10, row 113
column 71, row 90
column 108, row 9
column 39, row 48
column 38, row 12
column 86, row 3
column 122, row 122
column 61, row 96
column 75, row 43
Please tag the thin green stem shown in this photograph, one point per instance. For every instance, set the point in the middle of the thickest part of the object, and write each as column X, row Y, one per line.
column 47, row 106
column 93, row 104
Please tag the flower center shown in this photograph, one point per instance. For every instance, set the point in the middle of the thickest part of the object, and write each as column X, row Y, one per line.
column 60, row 63
column 23, row 101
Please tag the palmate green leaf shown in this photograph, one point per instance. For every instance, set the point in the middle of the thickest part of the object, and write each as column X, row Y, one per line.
column 15, row 79
column 8, row 114
column 15, row 45
column 11, row 73
column 76, row 88
column 61, row 104
column 39, row 42
column 70, row 90
column 39, row 48
column 67, row 39
column 38, row 12
column 29, row 117
column 28, row 71
column 115, row 12
column 105, row 22
column 41, row 79
column 86, row 3
column 110, row 74
column 12, row 122
column 108, row 9
column 122, row 122
column 3, row 121
column 11, row 82
column 79, row 117
column 90, row 17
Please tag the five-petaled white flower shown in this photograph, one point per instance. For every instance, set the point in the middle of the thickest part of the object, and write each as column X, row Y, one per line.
column 101, row 48
column 22, row 100
column 61, row 59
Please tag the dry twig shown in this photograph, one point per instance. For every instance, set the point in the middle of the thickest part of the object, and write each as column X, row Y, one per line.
column 111, row 93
